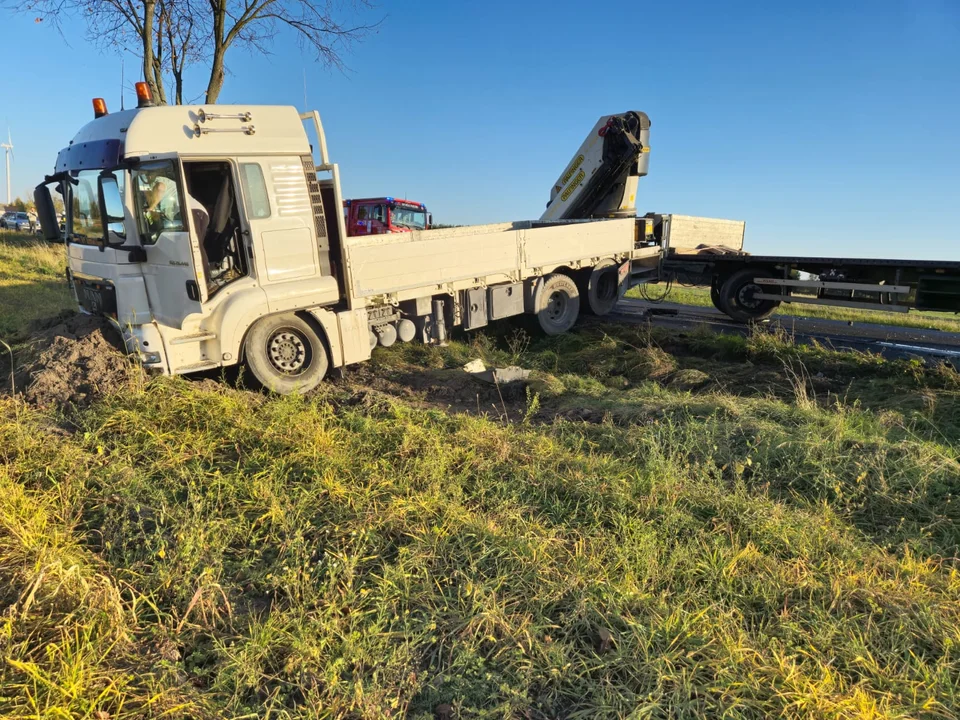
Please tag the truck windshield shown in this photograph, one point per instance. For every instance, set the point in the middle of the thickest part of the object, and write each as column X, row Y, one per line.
column 405, row 217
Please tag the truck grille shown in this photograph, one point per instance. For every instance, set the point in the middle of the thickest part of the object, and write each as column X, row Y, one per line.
column 313, row 188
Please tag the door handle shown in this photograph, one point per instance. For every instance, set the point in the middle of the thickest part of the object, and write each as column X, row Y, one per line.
column 193, row 290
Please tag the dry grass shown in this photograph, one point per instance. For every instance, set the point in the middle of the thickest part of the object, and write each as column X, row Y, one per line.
column 31, row 281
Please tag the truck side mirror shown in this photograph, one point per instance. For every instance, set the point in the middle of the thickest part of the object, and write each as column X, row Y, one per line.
column 46, row 214
column 430, row 220
column 112, row 203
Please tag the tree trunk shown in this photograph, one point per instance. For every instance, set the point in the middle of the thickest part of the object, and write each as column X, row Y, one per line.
column 178, row 86
column 215, row 84
column 216, row 77
column 148, row 9
column 152, row 74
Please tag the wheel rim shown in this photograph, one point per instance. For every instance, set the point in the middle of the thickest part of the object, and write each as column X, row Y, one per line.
column 557, row 306
column 288, row 351
column 746, row 296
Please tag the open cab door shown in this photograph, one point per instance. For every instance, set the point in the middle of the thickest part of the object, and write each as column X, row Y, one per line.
column 173, row 269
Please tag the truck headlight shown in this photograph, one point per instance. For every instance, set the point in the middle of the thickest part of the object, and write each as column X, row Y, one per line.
column 149, row 358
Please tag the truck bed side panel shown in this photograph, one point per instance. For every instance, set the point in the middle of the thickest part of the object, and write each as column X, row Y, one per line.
column 551, row 247
column 425, row 261
column 431, row 261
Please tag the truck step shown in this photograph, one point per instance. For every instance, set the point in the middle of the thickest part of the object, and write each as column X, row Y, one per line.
column 197, row 367
column 196, row 337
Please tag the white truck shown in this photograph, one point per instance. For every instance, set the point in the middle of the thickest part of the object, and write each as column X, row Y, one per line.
column 213, row 235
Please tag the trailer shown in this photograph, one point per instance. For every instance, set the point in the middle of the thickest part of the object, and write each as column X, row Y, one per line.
column 749, row 288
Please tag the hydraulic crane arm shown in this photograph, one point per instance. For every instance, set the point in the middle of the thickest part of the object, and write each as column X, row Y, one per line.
column 601, row 180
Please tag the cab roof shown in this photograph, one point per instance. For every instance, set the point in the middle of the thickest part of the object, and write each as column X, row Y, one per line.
column 167, row 129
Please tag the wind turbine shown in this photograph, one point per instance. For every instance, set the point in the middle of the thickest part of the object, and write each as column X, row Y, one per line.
column 8, row 151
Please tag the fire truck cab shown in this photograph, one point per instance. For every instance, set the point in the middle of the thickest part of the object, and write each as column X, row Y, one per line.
column 377, row 216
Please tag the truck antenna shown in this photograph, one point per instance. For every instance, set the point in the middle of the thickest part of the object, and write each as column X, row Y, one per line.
column 121, row 83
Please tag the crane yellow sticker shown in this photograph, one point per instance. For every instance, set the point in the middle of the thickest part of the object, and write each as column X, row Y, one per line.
column 573, row 168
column 573, row 185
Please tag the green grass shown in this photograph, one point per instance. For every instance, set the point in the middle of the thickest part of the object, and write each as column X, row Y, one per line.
column 32, row 284
column 670, row 527
column 700, row 297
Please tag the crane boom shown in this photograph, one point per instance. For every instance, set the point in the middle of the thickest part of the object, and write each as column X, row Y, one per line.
column 601, row 180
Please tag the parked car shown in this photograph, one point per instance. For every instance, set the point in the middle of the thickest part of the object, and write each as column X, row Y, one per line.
column 19, row 221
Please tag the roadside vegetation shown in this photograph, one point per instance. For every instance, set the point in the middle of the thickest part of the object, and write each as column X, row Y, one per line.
column 700, row 297
column 31, row 281
column 660, row 525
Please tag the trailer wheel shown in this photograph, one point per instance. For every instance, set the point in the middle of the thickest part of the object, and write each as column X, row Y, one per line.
column 715, row 297
column 738, row 297
column 600, row 284
column 556, row 304
column 285, row 355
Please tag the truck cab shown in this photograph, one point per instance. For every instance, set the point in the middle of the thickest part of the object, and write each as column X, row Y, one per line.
column 188, row 225
column 376, row 216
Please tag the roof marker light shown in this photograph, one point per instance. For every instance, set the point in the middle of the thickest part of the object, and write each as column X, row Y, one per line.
column 144, row 96
column 99, row 107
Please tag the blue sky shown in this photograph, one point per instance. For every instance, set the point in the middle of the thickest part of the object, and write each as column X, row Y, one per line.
column 832, row 128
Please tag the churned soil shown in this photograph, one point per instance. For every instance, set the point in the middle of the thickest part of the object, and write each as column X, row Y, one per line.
column 68, row 363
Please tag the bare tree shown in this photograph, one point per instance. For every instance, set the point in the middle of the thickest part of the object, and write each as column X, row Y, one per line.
column 150, row 29
column 183, row 31
column 171, row 35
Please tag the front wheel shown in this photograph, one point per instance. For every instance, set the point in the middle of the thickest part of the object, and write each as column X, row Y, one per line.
column 738, row 297
column 285, row 355
column 556, row 304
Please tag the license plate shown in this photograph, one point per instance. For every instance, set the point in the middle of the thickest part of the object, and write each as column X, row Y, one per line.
column 96, row 298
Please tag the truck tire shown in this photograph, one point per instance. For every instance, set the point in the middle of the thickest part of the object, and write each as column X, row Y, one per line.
column 737, row 297
column 715, row 297
column 600, row 285
column 556, row 304
column 285, row 355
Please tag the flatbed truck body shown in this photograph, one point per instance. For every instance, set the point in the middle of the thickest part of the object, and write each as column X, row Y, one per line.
column 213, row 235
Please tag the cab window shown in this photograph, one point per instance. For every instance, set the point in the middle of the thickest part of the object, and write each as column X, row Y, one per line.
column 255, row 191
column 159, row 199
column 87, row 222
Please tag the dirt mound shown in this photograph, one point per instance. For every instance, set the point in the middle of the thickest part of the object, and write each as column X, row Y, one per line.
column 71, row 363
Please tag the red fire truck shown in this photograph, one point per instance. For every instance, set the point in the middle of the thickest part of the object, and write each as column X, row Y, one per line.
column 376, row 216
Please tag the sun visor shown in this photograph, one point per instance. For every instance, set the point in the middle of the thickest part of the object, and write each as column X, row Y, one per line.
column 93, row 155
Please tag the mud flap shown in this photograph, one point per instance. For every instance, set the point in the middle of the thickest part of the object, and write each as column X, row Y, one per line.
column 623, row 274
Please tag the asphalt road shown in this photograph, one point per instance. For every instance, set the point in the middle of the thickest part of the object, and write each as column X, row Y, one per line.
column 888, row 340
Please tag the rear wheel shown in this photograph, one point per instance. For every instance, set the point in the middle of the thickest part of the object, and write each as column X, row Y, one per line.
column 556, row 304
column 285, row 355
column 600, row 285
column 738, row 297
column 715, row 297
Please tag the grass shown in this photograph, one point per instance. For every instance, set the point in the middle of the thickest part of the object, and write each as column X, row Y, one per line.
column 32, row 283
column 674, row 526
column 700, row 297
